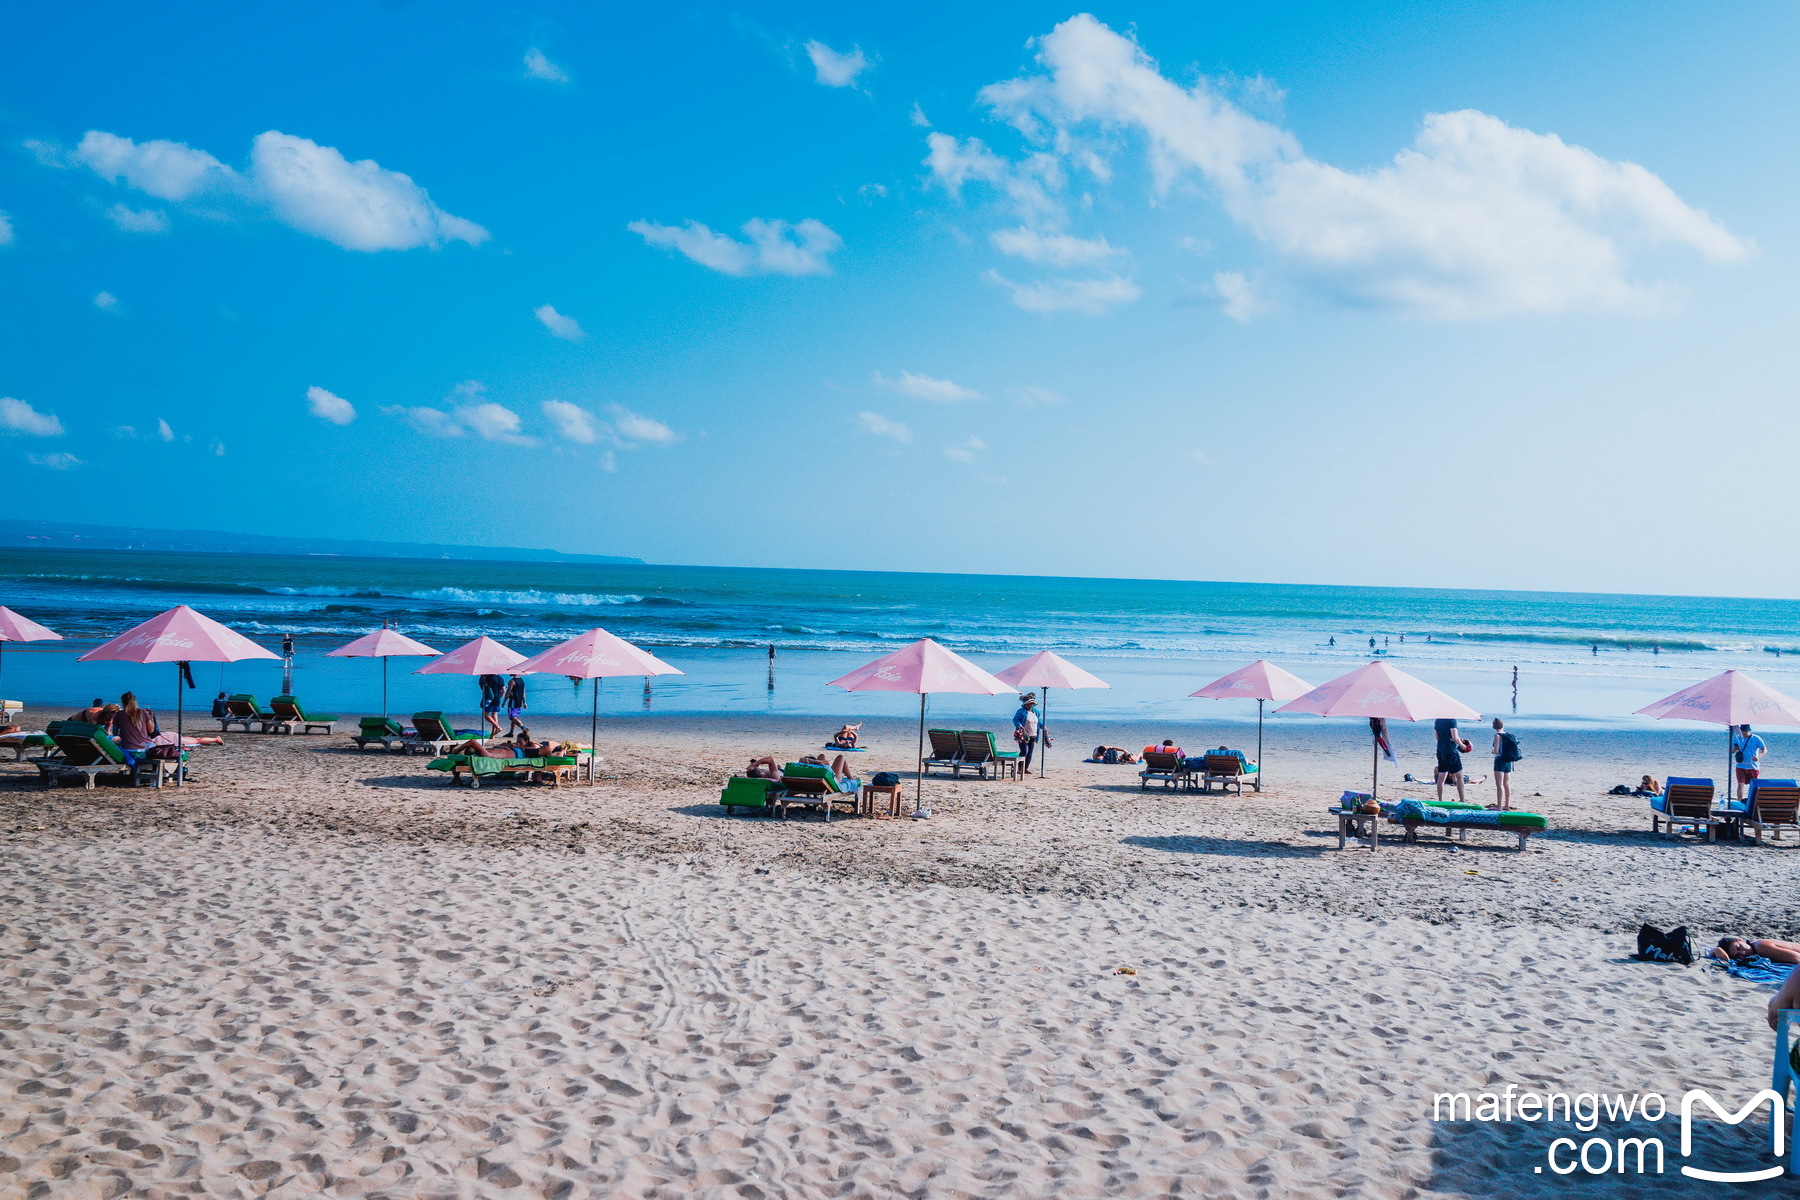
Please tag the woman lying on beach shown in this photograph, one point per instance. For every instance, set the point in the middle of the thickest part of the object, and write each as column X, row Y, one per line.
column 1736, row 949
column 845, row 738
column 1112, row 754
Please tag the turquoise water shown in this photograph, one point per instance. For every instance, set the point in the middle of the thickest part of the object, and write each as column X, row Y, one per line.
column 1581, row 657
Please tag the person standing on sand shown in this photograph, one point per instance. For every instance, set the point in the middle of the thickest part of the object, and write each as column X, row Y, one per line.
column 515, row 704
column 1449, row 758
column 493, row 691
column 1025, row 729
column 1506, row 753
column 1747, row 750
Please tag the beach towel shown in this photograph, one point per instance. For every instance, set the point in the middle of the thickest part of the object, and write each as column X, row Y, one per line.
column 1758, row 969
column 1449, row 813
column 846, row 749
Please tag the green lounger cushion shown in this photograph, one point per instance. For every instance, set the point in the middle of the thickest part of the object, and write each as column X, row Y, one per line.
column 313, row 718
column 77, row 732
column 1522, row 820
column 744, row 792
column 382, row 727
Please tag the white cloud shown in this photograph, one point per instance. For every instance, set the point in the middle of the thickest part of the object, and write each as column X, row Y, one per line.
column 1201, row 457
column 1055, row 249
column 16, row 416
column 6, row 230
column 132, row 220
column 60, row 461
column 1090, row 296
column 163, row 430
column 567, row 328
column 471, row 415
column 106, row 302
column 609, row 462
column 917, row 116
column 880, row 426
column 1031, row 396
column 771, row 248
column 537, row 66
column 872, row 191
column 924, row 387
column 312, row 188
column 124, row 432
column 572, row 421
column 635, row 427
column 835, row 69
column 966, row 451
column 218, row 449
column 1476, row 218
column 1241, row 300
column 327, row 407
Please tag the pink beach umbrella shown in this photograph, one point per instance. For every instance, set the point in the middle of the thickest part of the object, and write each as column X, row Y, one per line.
column 1261, row 681
column 1379, row 691
column 1047, row 669
column 14, row 628
column 483, row 656
column 180, row 636
column 383, row 643
column 1731, row 698
column 923, row 667
column 593, row 656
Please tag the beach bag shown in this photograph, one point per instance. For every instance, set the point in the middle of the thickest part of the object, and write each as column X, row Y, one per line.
column 885, row 779
column 1111, row 757
column 164, row 753
column 1656, row 946
column 1509, row 748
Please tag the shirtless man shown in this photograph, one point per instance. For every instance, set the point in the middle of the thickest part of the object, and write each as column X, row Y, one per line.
column 1787, row 997
column 1737, row 948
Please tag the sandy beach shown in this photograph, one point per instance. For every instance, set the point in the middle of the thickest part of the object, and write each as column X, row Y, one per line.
column 323, row 972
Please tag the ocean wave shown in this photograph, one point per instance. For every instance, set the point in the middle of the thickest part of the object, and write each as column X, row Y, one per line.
column 1612, row 641
column 528, row 597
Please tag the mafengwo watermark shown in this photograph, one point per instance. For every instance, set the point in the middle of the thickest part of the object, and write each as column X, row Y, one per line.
column 1640, row 1153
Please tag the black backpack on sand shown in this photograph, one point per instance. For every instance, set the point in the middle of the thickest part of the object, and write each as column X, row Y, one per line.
column 1656, row 946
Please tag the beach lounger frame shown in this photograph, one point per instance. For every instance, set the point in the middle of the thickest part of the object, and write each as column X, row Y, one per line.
column 89, row 751
column 286, row 715
column 1687, row 804
column 754, row 795
column 22, row 744
column 433, row 732
column 981, row 755
column 385, row 732
column 1170, row 770
column 1226, row 770
column 242, row 709
column 815, row 787
column 1459, row 830
column 946, row 751
column 1774, row 808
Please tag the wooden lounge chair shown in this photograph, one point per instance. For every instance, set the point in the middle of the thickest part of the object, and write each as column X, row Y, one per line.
column 1226, row 770
column 1774, row 807
column 1170, row 770
column 242, row 709
column 38, row 745
column 1685, row 804
column 89, row 751
column 809, row 785
column 385, row 732
column 432, row 731
column 476, row 767
column 286, row 715
column 946, row 750
column 743, row 792
column 980, row 755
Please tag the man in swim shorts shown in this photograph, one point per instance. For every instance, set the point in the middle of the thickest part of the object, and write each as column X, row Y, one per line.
column 1449, row 757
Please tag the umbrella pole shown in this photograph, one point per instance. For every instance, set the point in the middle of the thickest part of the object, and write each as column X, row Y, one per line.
column 384, row 703
column 1374, row 765
column 180, row 739
column 593, row 728
column 1044, row 736
column 1259, row 773
column 919, row 788
column 1730, row 775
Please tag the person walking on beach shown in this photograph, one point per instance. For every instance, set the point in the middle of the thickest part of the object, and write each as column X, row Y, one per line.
column 1506, row 753
column 493, row 692
column 1025, row 729
column 515, row 704
column 1449, row 757
column 1747, row 750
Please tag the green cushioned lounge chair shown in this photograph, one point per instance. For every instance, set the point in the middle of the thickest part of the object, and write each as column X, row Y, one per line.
column 286, row 713
column 385, row 732
column 433, row 732
column 88, row 751
column 744, row 792
column 242, row 709
column 980, row 753
column 811, row 785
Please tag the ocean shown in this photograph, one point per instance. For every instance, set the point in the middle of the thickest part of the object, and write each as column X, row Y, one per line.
column 1580, row 658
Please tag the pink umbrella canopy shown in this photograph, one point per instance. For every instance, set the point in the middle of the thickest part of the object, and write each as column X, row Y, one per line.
column 383, row 643
column 595, row 654
column 179, row 635
column 1378, row 690
column 922, row 667
column 1261, row 680
column 483, row 656
column 1048, row 669
column 14, row 628
column 1731, row 698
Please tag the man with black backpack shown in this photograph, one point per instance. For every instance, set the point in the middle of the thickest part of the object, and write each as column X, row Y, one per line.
column 1506, row 753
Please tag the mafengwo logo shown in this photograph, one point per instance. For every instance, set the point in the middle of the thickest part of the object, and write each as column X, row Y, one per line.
column 1637, row 1152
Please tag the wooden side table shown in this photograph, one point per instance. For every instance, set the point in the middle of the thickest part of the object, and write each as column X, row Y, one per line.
column 1362, row 827
column 888, row 796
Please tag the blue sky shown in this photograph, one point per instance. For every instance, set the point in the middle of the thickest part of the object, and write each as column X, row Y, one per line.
column 1479, row 295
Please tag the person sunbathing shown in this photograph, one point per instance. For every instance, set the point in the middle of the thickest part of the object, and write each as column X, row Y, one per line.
column 1649, row 785
column 1787, row 997
column 1737, row 949
column 763, row 768
column 1113, row 754
column 845, row 738
column 472, row 746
